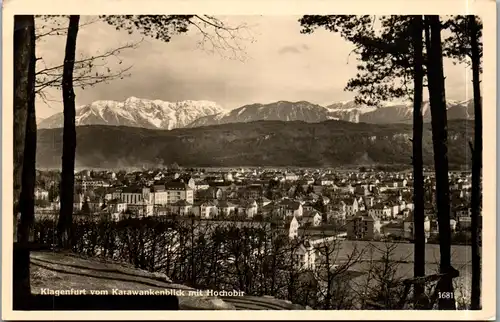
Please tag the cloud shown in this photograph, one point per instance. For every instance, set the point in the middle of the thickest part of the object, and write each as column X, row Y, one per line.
column 293, row 49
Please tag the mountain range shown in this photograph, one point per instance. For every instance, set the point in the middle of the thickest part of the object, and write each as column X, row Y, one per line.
column 156, row 114
column 396, row 112
column 343, row 111
column 261, row 143
column 278, row 111
column 138, row 112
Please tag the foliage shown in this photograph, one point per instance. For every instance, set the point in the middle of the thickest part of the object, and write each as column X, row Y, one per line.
column 458, row 45
column 216, row 35
column 385, row 56
column 160, row 27
column 299, row 191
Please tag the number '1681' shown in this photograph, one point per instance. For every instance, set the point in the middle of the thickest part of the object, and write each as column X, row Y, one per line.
column 445, row 295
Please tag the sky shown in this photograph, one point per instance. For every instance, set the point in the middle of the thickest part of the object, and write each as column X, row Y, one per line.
column 276, row 62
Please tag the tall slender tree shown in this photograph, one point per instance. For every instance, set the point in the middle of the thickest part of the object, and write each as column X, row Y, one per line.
column 418, row 167
column 477, row 163
column 27, row 200
column 24, row 83
column 464, row 46
column 439, row 123
column 69, row 137
column 22, row 59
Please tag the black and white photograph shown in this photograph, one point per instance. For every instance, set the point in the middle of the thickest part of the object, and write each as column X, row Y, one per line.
column 216, row 162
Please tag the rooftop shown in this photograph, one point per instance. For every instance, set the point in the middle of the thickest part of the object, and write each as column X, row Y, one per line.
column 173, row 185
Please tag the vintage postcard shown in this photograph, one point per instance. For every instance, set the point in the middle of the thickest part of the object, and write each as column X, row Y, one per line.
column 204, row 159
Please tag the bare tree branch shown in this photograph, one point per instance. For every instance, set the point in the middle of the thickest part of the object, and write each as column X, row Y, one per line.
column 217, row 36
column 50, row 25
column 89, row 70
column 223, row 37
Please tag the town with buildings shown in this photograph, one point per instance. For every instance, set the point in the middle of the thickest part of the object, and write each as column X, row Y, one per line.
column 309, row 204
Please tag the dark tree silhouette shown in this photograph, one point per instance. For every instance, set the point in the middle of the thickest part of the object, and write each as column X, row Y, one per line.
column 477, row 163
column 24, row 69
column 23, row 48
column 69, row 137
column 418, row 176
column 299, row 191
column 464, row 45
column 27, row 203
column 437, row 100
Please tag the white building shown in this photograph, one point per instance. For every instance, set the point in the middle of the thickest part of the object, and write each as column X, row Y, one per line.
column 381, row 211
column 290, row 176
column 117, row 206
column 352, row 207
column 41, row 194
column 135, row 195
column 304, row 256
column 206, row 210
column 293, row 231
column 179, row 191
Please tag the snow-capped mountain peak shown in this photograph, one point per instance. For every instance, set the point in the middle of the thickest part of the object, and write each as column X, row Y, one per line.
column 277, row 111
column 138, row 112
column 395, row 111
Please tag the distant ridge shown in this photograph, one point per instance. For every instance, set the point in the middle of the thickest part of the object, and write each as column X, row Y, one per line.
column 262, row 143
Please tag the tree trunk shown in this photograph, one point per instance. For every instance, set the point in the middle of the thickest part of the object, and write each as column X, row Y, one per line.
column 418, row 178
column 477, row 163
column 27, row 198
column 437, row 99
column 23, row 48
column 69, row 137
column 24, row 89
